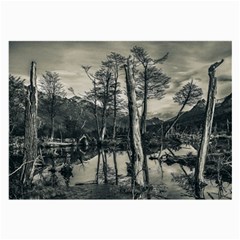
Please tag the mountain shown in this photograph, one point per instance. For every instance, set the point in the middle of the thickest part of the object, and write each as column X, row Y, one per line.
column 226, row 105
column 154, row 121
column 196, row 115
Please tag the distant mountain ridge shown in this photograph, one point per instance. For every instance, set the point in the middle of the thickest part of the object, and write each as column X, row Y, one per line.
column 196, row 115
column 223, row 111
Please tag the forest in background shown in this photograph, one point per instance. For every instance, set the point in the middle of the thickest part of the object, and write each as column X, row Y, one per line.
column 110, row 115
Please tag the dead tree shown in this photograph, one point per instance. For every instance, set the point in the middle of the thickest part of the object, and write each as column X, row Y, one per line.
column 30, row 138
column 137, row 157
column 188, row 95
column 202, row 155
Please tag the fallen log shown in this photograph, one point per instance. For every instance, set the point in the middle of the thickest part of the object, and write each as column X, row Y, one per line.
column 56, row 144
column 183, row 160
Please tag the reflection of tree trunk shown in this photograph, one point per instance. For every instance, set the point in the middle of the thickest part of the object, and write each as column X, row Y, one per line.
column 98, row 164
column 135, row 136
column 145, row 163
column 161, row 151
column 115, row 166
column 202, row 155
column 104, row 157
column 30, row 138
column 161, row 168
column 219, row 178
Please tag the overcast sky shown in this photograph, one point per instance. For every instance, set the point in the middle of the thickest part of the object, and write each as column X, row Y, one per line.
column 186, row 60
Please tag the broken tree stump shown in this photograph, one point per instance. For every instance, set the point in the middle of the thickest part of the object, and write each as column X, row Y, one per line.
column 202, row 155
column 30, row 138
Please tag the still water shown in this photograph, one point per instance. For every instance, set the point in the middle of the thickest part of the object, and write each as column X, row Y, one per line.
column 99, row 171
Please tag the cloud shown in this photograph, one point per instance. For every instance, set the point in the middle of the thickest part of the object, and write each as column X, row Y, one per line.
column 187, row 60
column 224, row 78
column 65, row 73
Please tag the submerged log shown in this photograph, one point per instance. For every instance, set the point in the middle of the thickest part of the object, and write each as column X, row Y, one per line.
column 83, row 141
column 57, row 144
column 189, row 161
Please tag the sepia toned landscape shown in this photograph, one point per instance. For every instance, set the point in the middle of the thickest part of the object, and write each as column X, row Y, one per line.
column 120, row 120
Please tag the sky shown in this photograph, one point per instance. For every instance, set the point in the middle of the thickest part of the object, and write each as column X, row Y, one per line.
column 187, row 60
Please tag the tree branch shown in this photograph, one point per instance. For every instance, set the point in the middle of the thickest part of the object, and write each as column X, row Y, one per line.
column 214, row 66
column 20, row 167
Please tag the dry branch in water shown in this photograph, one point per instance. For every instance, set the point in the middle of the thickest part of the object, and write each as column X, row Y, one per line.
column 20, row 167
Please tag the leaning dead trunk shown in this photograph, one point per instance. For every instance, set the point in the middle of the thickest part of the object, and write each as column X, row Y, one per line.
column 30, row 138
column 137, row 157
column 180, row 111
column 202, row 155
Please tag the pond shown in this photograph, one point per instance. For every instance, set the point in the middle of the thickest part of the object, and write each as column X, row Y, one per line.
column 103, row 174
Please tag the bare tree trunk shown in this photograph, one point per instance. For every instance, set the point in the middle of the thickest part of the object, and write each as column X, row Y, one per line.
column 95, row 110
column 97, row 124
column 104, row 127
column 52, row 128
column 104, row 114
column 115, row 109
column 134, row 126
column 202, row 155
column 30, row 138
column 60, row 131
column 144, row 113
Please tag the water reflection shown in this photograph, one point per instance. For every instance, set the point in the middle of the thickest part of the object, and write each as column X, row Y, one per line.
column 102, row 160
column 167, row 173
column 66, row 170
column 115, row 166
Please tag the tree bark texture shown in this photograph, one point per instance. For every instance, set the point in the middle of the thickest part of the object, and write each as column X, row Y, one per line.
column 95, row 110
column 134, row 126
column 115, row 109
column 202, row 155
column 30, row 138
column 52, row 127
column 144, row 113
column 104, row 113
